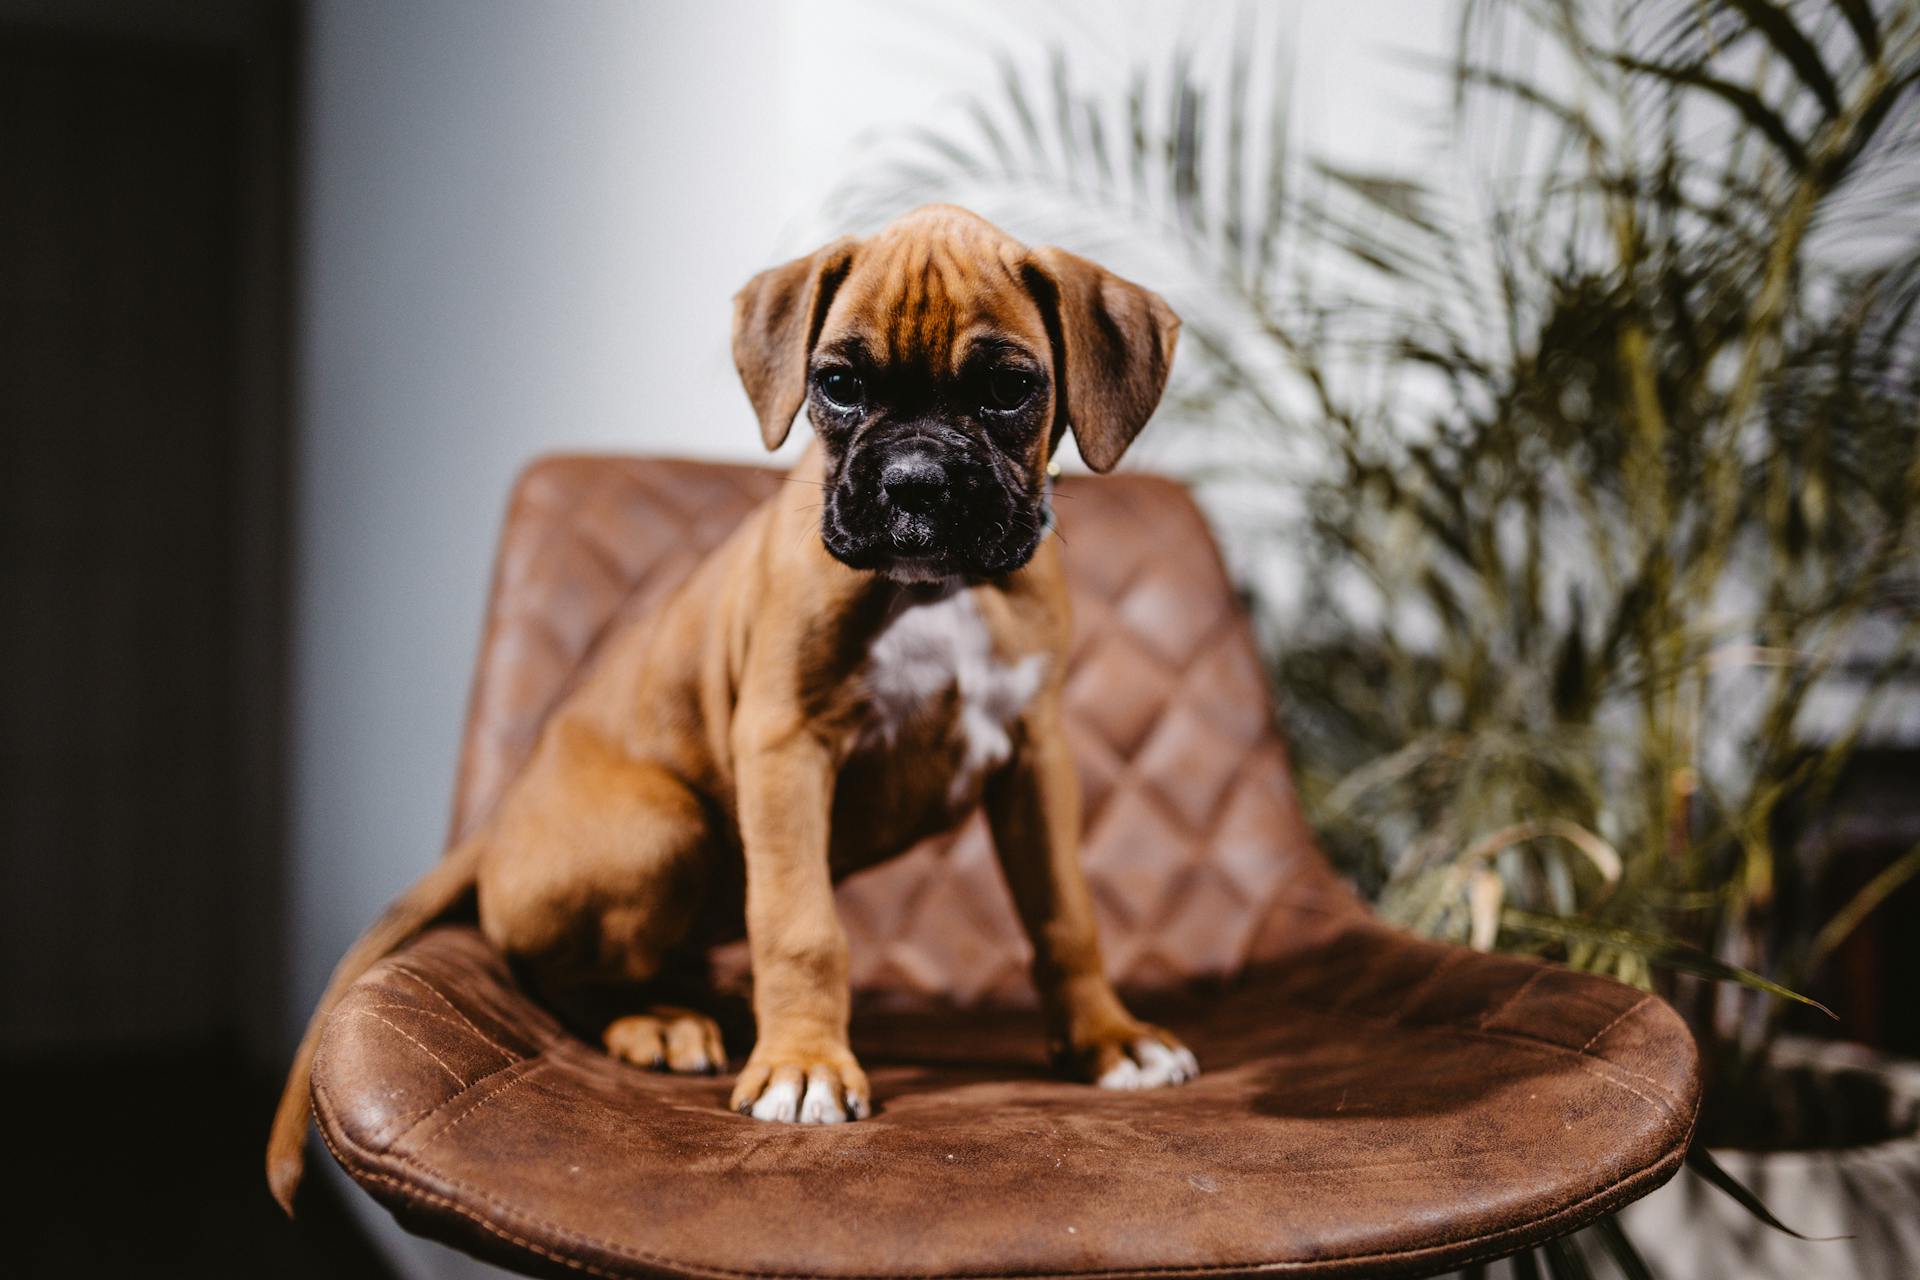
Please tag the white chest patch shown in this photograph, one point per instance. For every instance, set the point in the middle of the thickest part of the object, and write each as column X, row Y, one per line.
column 931, row 649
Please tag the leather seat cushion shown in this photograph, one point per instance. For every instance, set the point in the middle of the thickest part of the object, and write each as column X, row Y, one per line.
column 1371, row 1104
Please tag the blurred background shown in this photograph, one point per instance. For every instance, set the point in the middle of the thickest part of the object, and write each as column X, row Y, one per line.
column 1551, row 374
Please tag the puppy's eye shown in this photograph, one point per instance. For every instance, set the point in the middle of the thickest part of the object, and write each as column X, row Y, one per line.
column 844, row 388
column 1008, row 389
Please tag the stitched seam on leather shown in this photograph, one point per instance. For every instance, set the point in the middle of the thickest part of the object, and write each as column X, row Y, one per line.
column 417, row 1012
column 1418, row 989
column 419, row 1193
column 394, row 1128
column 1521, row 1038
column 397, row 1127
column 1493, row 1013
column 1621, row 1084
column 1413, row 1162
column 1668, row 1101
column 413, row 1191
column 542, row 1041
column 363, row 1011
column 441, row 996
column 1666, row 1092
column 1634, row 1008
column 515, row 1078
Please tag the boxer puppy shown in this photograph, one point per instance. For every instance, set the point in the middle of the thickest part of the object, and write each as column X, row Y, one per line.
column 874, row 651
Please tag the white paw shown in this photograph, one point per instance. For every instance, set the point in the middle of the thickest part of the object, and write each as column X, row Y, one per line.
column 822, row 1095
column 780, row 1102
column 1152, row 1066
column 819, row 1106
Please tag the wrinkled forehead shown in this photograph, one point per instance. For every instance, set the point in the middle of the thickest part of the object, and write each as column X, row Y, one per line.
column 935, row 302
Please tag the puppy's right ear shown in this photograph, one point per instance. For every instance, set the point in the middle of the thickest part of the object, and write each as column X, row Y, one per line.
column 1115, row 341
column 776, row 320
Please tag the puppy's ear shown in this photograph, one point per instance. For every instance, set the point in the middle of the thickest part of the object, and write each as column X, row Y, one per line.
column 776, row 319
column 1113, row 345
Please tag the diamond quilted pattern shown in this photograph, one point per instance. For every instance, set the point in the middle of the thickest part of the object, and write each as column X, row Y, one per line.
column 1116, row 686
column 1130, row 856
column 1189, row 762
column 1193, row 833
column 1174, row 616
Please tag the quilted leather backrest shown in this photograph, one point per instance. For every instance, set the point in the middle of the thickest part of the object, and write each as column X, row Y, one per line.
column 1193, row 833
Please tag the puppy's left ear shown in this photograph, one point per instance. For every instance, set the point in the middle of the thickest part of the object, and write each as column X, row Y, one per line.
column 1113, row 347
column 776, row 320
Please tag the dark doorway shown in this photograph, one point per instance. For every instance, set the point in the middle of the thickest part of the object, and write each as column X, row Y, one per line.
column 118, row 242
column 145, row 162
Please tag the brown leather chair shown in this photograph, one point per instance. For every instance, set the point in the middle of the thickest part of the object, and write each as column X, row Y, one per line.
column 1371, row 1104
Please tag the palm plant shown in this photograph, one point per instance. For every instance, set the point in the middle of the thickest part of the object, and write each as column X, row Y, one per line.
column 1558, row 496
column 1670, row 480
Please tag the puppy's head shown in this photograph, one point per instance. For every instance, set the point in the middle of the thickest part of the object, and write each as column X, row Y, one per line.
column 939, row 362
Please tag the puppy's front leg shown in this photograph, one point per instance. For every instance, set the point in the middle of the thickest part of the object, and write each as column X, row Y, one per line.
column 1033, row 806
column 801, row 1068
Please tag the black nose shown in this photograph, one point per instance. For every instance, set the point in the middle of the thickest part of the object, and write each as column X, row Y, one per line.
column 915, row 482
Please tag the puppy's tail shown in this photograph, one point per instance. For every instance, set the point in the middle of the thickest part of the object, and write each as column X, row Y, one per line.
column 432, row 896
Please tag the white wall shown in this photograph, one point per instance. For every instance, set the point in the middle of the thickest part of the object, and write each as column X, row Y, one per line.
column 522, row 225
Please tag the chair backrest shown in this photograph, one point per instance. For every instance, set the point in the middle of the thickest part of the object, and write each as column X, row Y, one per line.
column 1193, row 836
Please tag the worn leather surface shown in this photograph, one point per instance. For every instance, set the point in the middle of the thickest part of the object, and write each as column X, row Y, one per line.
column 1372, row 1103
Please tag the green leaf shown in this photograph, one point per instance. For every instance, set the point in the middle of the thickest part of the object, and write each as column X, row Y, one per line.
column 1876, row 891
column 1097, row 142
column 963, row 161
column 1748, row 103
column 1233, row 231
column 1785, row 35
column 1063, row 122
column 1274, row 215
column 1137, row 138
column 1613, row 1238
column 1669, row 952
column 1573, row 118
column 1564, row 1260
column 1866, row 27
column 1015, row 87
column 1701, row 1161
column 990, row 130
column 1402, row 198
column 1183, row 131
column 1871, row 118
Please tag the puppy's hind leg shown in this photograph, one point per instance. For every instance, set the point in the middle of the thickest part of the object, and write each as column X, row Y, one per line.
column 599, row 878
column 667, row 1038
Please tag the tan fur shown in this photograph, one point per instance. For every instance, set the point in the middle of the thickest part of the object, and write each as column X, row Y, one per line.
column 710, row 774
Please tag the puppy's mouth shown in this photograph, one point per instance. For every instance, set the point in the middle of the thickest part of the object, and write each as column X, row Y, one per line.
column 920, row 510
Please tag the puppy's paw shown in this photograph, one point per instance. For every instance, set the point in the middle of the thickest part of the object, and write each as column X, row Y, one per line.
column 800, row 1086
column 1140, row 1057
column 667, row 1039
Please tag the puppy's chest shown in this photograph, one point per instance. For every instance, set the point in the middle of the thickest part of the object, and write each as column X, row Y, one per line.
column 933, row 680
